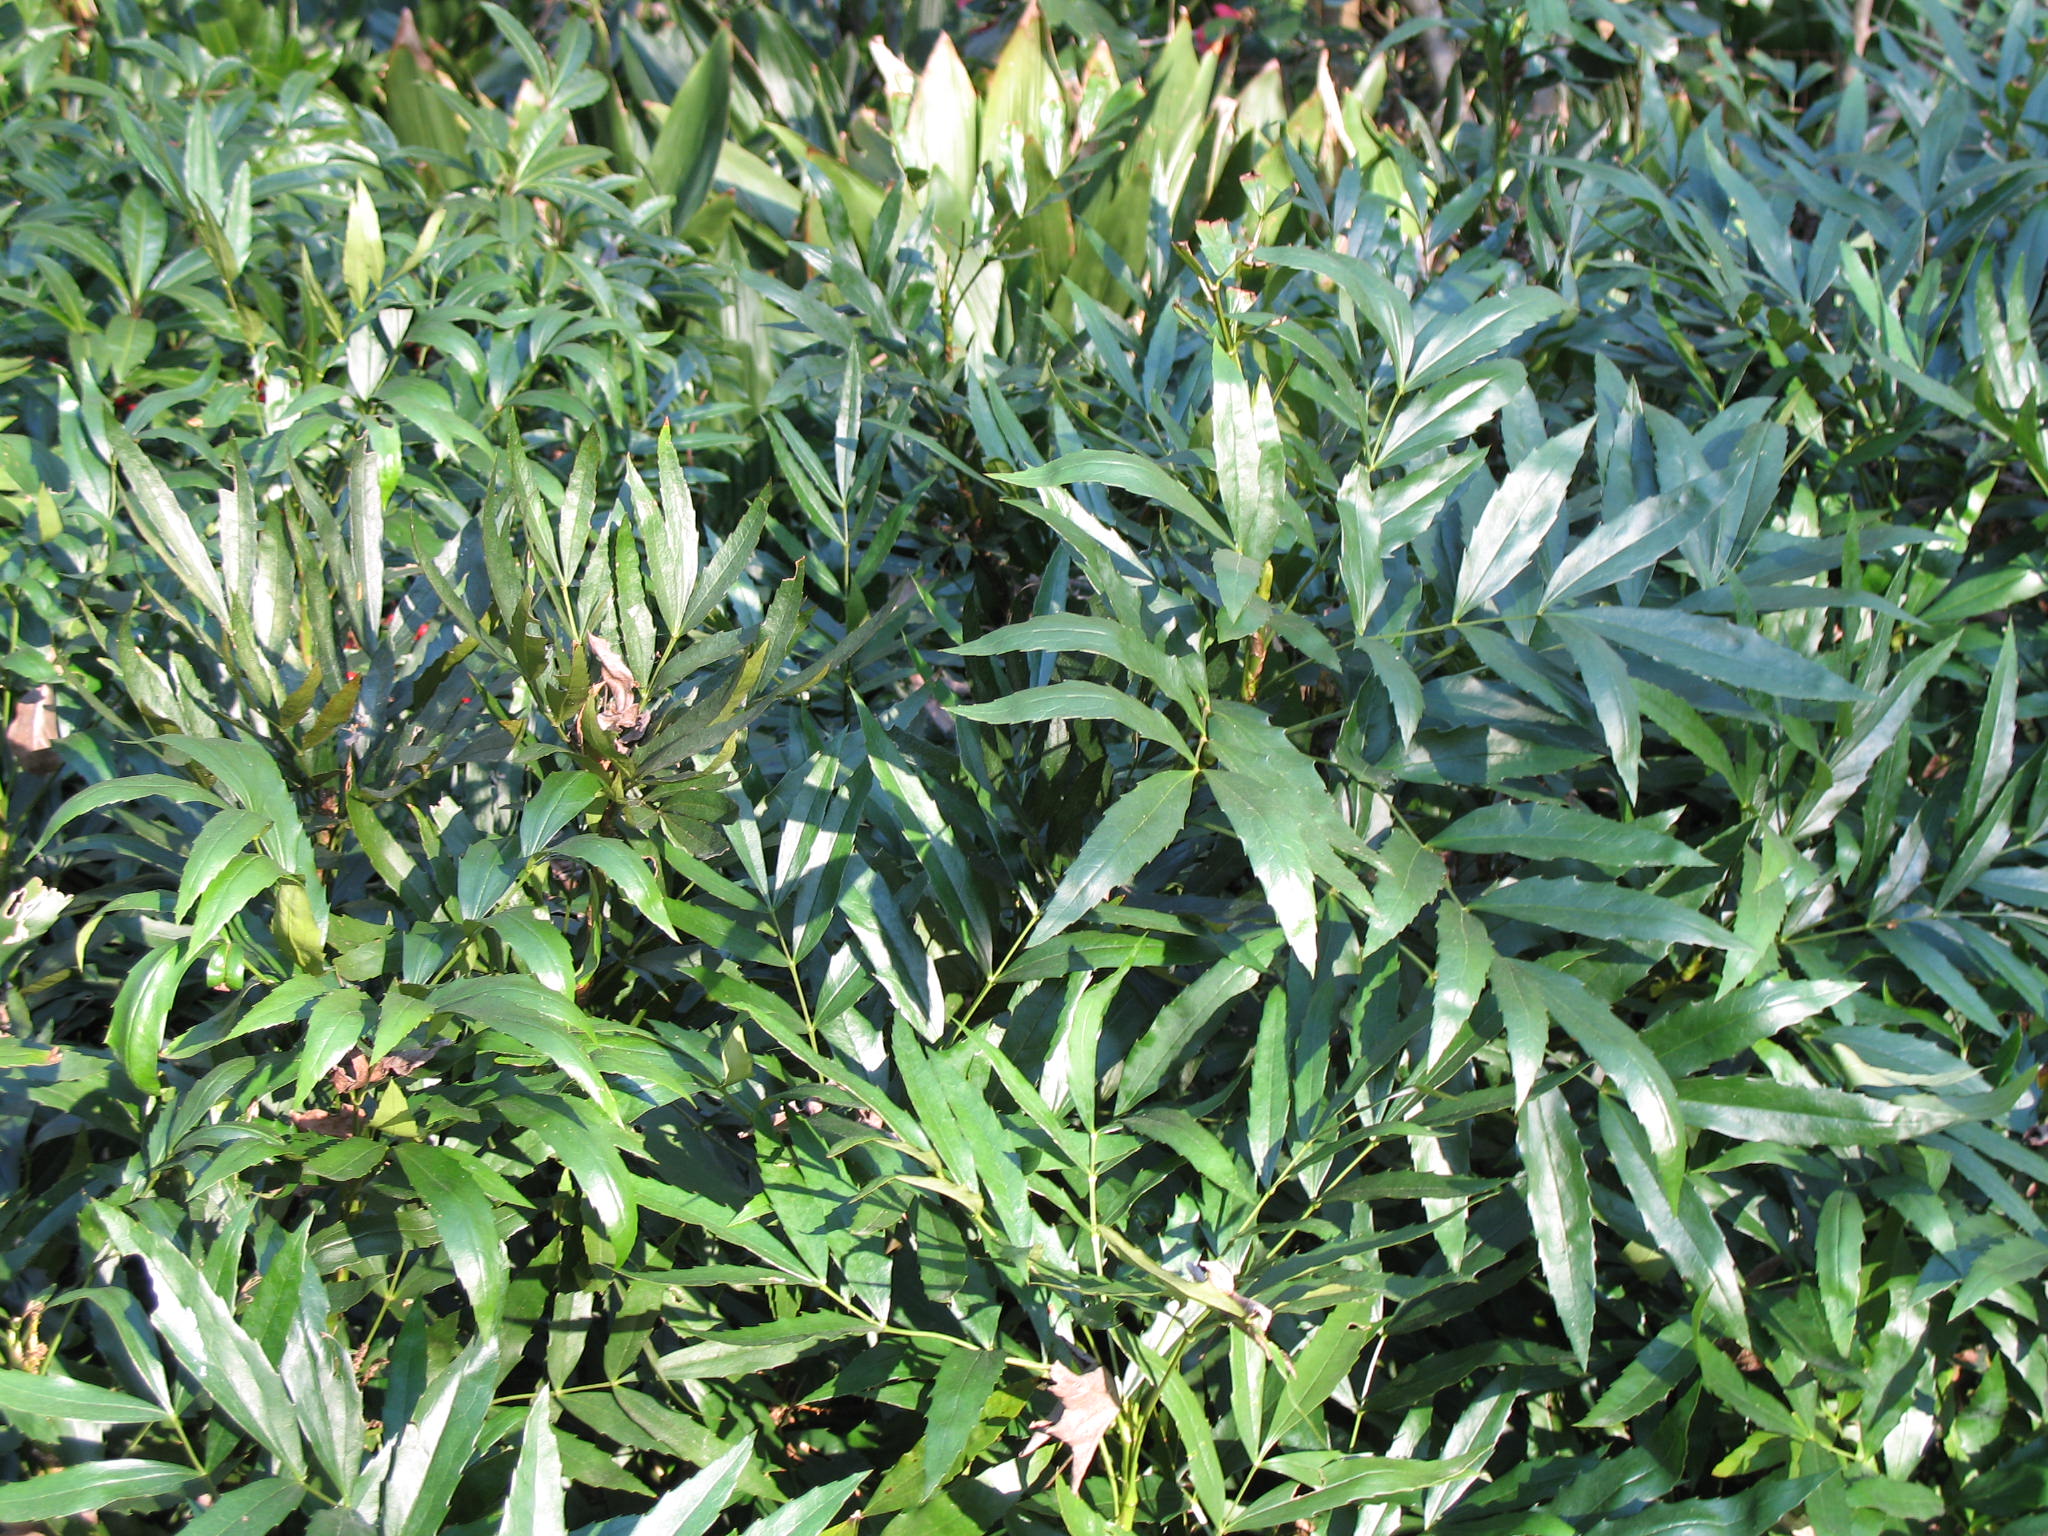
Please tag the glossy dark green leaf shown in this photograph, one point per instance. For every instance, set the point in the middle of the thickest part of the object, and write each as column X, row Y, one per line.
column 164, row 523
column 135, row 1033
column 1561, row 1209
column 1125, row 471
column 1838, row 1251
column 684, row 155
column 1602, row 912
column 202, row 1332
column 588, row 1152
column 960, row 1392
column 1449, row 411
column 1749, row 1394
column 809, row 1513
column 1135, row 830
column 1703, row 1033
column 1461, row 337
column 433, row 1449
column 1092, row 636
column 251, row 1510
column 1713, row 648
column 1384, row 306
column 1620, row 546
column 463, row 1217
column 1192, row 1010
column 1517, row 517
column 562, row 797
column 900, row 959
column 61, row 1397
column 534, row 1503
column 92, row 1485
column 530, row 1013
column 1683, row 1227
column 626, row 868
column 1659, row 1369
column 1251, row 462
column 1753, row 1512
column 1532, row 831
column 1756, row 1109
column 1079, row 701
column 1194, row 1141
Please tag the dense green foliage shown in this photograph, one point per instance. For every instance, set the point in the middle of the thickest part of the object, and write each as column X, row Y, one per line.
column 1097, row 785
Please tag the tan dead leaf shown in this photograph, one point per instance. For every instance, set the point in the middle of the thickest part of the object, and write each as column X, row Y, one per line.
column 329, row 1122
column 403, row 1063
column 32, row 733
column 1087, row 1408
column 619, row 709
column 408, row 37
column 353, row 1072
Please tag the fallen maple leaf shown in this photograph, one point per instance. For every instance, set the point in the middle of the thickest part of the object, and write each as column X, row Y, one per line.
column 1087, row 1408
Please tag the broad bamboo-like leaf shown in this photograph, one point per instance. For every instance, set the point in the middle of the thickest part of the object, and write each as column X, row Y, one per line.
column 1080, row 701
column 1134, row 831
column 561, row 799
column 589, row 1153
column 1621, row 1054
column 1713, row 648
column 1615, row 912
column 1839, row 1252
column 1251, row 464
column 60, row 1397
column 899, row 957
column 1385, row 308
column 1749, row 1109
column 362, row 261
column 808, row 1514
column 1561, row 1208
column 534, row 1503
column 254, row 1509
column 165, row 525
column 1683, row 1227
column 1518, row 516
column 1462, row 337
column 431, row 1452
column 685, row 153
column 626, row 868
column 201, row 1331
column 1125, row 471
column 92, row 1485
column 464, row 1220
column 1564, row 832
column 960, row 1392
column 1701, row 1034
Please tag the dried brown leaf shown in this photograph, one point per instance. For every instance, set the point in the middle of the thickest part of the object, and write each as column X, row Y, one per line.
column 619, row 709
column 32, row 733
column 1087, row 1408
column 403, row 1063
column 341, row 1122
column 353, row 1072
